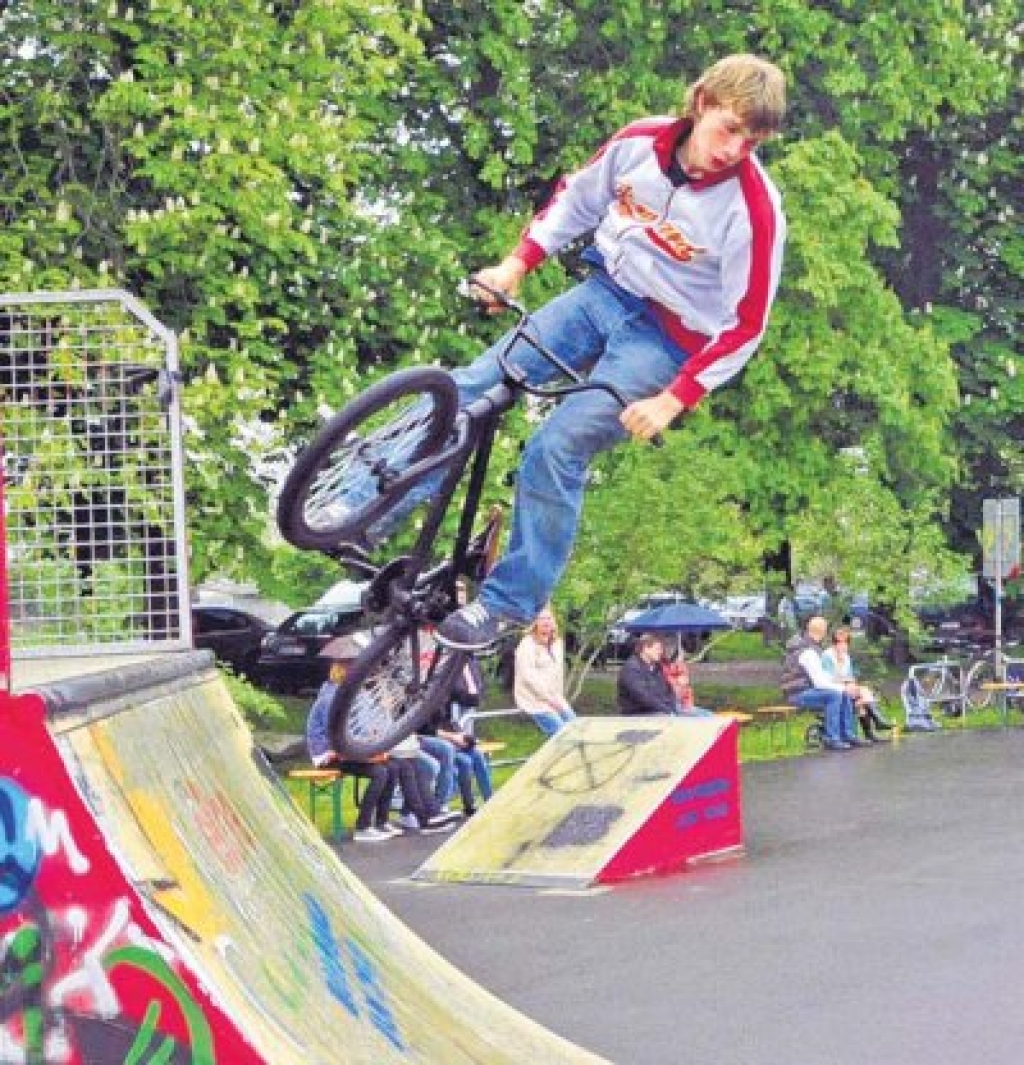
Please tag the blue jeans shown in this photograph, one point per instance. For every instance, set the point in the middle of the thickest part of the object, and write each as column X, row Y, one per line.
column 443, row 752
column 595, row 327
column 840, row 719
column 472, row 765
column 552, row 721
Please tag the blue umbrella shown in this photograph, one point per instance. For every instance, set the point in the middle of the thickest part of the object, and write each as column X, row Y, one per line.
column 680, row 618
column 677, row 617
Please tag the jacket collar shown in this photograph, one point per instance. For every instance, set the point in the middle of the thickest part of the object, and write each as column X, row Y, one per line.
column 665, row 145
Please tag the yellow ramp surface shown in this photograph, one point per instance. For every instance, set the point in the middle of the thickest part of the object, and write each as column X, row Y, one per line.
column 577, row 802
column 302, row 958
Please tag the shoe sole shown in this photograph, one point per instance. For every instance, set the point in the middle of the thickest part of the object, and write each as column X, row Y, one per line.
column 455, row 645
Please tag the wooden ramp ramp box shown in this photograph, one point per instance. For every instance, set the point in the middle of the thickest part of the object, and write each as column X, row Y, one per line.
column 163, row 900
column 606, row 799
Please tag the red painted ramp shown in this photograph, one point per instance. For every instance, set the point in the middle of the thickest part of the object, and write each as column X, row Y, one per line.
column 163, row 902
column 606, row 799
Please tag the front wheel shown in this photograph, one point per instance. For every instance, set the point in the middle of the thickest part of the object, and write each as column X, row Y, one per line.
column 397, row 684
column 935, row 681
column 353, row 472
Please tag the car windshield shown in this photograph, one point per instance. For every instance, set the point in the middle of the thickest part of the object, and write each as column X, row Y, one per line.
column 321, row 623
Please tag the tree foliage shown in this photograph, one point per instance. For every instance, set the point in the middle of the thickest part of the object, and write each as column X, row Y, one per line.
column 296, row 188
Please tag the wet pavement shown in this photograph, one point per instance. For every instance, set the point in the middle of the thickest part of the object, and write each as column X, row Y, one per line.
column 875, row 917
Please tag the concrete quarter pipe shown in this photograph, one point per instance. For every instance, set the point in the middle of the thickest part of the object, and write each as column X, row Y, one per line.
column 162, row 901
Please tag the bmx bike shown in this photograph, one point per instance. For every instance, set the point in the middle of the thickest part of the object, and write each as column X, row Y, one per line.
column 403, row 430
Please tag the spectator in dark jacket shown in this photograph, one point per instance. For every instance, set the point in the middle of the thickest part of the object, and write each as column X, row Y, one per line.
column 643, row 687
column 372, row 824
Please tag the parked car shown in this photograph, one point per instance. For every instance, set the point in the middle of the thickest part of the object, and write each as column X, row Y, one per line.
column 746, row 612
column 290, row 659
column 235, row 636
column 954, row 625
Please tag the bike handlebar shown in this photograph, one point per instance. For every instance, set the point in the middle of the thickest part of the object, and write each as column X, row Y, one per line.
column 517, row 378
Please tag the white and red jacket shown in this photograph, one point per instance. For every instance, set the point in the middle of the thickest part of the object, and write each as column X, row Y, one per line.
column 706, row 254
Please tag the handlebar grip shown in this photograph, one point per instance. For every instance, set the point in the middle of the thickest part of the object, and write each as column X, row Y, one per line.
column 503, row 298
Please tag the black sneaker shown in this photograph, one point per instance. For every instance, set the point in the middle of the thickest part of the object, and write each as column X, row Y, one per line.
column 445, row 817
column 435, row 825
column 471, row 628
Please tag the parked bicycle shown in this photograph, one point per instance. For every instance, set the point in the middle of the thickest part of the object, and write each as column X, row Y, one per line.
column 982, row 672
column 345, row 485
column 961, row 684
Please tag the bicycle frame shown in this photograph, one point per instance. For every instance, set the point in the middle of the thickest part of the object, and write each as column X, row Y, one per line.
column 403, row 584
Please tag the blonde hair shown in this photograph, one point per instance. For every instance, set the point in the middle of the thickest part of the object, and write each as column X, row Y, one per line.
column 554, row 623
column 754, row 88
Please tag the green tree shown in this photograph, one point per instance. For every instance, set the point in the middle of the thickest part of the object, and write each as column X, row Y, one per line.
column 211, row 159
column 297, row 188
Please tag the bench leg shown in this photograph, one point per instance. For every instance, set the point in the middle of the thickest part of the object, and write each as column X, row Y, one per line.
column 313, row 789
column 337, row 813
column 337, row 817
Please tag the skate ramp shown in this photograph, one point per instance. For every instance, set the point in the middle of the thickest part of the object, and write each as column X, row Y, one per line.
column 606, row 799
column 163, row 901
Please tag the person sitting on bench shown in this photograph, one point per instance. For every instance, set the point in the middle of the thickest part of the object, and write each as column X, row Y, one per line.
column 839, row 665
column 806, row 684
column 383, row 773
column 642, row 686
column 372, row 825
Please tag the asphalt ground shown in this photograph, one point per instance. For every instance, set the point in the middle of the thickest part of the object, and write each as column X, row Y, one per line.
column 874, row 917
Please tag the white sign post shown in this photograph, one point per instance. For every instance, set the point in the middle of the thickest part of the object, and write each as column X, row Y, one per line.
column 1000, row 542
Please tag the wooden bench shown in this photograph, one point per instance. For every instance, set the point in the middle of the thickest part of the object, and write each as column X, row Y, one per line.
column 773, row 716
column 1006, row 692
column 490, row 747
column 331, row 781
column 741, row 717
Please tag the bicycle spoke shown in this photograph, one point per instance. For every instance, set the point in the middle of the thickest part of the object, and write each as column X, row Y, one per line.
column 357, row 465
column 365, row 465
column 391, row 690
column 382, row 699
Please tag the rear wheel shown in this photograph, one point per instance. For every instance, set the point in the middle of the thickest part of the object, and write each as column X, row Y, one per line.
column 982, row 672
column 353, row 472
column 396, row 684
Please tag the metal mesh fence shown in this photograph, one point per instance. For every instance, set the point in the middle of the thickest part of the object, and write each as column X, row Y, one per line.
column 92, row 469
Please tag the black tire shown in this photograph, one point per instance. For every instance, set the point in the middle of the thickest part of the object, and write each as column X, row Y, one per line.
column 352, row 472
column 390, row 690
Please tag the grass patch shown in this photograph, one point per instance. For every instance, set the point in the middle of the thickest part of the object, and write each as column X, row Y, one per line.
column 740, row 646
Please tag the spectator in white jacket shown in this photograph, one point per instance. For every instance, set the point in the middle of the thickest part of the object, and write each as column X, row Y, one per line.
column 540, row 675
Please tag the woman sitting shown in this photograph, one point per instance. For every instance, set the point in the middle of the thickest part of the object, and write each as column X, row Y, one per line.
column 540, row 675
column 837, row 662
